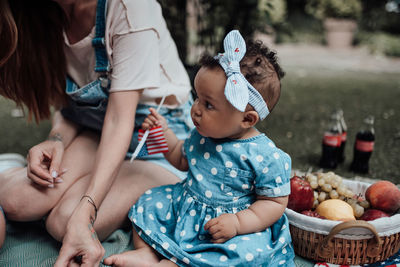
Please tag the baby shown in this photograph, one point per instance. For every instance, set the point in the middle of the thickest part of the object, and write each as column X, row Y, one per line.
column 229, row 211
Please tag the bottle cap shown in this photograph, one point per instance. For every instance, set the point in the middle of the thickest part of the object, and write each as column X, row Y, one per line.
column 369, row 119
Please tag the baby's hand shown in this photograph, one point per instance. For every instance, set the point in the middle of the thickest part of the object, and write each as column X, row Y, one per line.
column 222, row 228
column 154, row 119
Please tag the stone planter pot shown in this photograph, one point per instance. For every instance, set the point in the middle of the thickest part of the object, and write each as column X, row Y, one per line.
column 339, row 33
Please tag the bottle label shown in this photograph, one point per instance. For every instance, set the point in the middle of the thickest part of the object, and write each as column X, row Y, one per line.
column 344, row 136
column 364, row 146
column 332, row 140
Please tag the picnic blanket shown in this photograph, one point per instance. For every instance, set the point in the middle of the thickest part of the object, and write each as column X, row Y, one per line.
column 29, row 245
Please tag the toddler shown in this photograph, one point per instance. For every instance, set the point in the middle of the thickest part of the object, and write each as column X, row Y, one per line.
column 229, row 211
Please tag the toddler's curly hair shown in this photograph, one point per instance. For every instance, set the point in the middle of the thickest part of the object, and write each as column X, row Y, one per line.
column 260, row 67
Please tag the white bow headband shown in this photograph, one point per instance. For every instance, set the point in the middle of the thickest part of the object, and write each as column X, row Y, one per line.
column 238, row 91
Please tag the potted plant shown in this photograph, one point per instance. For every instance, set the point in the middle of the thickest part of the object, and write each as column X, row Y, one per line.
column 339, row 18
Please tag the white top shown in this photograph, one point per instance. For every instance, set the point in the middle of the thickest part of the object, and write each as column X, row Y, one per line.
column 140, row 50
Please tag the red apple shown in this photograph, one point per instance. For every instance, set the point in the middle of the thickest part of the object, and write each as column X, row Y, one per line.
column 373, row 214
column 383, row 195
column 301, row 194
column 312, row 214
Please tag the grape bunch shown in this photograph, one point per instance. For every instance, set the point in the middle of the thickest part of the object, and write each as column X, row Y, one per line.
column 329, row 186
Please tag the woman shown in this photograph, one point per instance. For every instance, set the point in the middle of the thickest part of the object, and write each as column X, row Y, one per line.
column 119, row 60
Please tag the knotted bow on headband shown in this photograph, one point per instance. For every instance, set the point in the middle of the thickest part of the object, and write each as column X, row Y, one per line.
column 238, row 91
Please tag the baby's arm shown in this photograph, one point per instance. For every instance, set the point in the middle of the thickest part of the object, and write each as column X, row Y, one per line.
column 174, row 154
column 260, row 215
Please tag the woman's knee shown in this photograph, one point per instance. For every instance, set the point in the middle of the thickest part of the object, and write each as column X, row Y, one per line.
column 20, row 204
column 57, row 220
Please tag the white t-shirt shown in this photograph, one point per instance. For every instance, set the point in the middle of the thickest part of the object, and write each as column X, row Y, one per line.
column 140, row 50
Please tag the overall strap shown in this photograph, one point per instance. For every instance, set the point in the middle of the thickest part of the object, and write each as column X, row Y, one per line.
column 98, row 42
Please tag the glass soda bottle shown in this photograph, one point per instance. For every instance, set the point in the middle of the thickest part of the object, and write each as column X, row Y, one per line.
column 331, row 143
column 341, row 155
column 363, row 146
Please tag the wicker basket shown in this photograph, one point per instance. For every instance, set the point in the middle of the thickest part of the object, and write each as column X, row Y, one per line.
column 348, row 243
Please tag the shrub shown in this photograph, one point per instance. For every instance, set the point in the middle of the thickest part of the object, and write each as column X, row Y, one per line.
column 346, row 9
column 381, row 43
column 273, row 10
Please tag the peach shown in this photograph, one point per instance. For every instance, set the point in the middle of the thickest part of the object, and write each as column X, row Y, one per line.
column 383, row 195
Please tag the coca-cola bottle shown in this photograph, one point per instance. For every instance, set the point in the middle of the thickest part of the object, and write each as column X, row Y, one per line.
column 341, row 154
column 331, row 143
column 363, row 146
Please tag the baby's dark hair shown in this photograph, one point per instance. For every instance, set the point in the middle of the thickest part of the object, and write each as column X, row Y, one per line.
column 260, row 67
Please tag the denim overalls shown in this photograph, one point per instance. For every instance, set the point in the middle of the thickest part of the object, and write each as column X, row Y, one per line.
column 87, row 105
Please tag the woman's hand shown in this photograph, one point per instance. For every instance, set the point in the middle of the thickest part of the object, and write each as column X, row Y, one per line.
column 80, row 247
column 154, row 119
column 44, row 162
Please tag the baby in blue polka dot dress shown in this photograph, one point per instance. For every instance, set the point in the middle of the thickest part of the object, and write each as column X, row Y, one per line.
column 229, row 211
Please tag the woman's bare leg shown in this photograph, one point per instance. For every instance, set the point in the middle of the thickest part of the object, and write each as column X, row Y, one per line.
column 131, row 182
column 143, row 255
column 23, row 200
column 165, row 263
column 2, row 228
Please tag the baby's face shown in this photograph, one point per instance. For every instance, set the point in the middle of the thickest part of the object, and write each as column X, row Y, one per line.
column 211, row 113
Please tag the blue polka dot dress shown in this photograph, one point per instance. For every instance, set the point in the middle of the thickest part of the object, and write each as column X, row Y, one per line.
column 224, row 176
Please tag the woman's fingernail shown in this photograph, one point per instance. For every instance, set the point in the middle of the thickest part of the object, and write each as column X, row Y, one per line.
column 50, row 186
column 58, row 180
column 54, row 174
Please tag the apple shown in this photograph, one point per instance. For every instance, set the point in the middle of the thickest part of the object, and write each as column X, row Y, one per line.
column 383, row 195
column 312, row 214
column 373, row 214
column 301, row 194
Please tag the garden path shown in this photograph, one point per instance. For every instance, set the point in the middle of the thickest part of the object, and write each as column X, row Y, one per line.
column 322, row 57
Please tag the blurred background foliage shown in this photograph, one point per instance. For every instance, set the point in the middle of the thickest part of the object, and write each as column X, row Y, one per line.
column 292, row 21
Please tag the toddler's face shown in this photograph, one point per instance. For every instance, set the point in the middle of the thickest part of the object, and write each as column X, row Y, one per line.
column 211, row 113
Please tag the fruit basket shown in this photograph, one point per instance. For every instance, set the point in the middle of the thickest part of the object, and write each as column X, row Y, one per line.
column 346, row 243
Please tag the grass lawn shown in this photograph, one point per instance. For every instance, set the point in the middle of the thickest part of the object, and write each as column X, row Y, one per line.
column 298, row 121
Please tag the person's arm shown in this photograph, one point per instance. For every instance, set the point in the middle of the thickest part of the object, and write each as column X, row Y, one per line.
column 80, row 237
column 63, row 130
column 174, row 154
column 114, row 143
column 260, row 215
column 50, row 152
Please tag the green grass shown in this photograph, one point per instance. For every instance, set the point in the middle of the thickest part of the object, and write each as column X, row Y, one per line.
column 17, row 135
column 298, row 121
